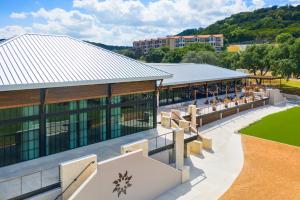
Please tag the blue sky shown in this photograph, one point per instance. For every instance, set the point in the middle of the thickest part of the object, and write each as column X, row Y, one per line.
column 118, row 22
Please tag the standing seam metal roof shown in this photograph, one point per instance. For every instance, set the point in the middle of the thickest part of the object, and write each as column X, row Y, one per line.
column 184, row 73
column 33, row 61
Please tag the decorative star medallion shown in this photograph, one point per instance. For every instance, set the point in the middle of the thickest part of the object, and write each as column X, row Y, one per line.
column 122, row 183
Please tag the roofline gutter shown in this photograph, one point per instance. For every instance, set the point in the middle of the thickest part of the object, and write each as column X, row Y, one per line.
column 78, row 83
column 203, row 81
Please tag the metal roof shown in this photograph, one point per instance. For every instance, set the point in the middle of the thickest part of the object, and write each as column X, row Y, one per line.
column 184, row 73
column 41, row 61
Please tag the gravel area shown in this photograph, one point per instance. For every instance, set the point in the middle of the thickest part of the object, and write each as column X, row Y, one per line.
column 271, row 171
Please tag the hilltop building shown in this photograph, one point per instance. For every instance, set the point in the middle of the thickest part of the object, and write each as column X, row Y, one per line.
column 142, row 46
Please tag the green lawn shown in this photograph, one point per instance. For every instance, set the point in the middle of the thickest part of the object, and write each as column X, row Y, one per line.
column 291, row 87
column 283, row 127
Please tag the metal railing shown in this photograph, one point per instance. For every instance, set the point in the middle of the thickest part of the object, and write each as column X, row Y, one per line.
column 27, row 185
column 75, row 179
column 161, row 141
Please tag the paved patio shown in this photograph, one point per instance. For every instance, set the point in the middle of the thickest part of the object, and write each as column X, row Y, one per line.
column 27, row 176
column 214, row 172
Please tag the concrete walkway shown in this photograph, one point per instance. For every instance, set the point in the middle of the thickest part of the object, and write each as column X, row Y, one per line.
column 214, row 172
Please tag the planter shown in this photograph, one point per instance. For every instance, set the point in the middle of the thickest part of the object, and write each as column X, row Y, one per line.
column 214, row 108
column 236, row 103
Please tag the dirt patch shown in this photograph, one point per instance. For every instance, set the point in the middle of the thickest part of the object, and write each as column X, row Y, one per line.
column 271, row 171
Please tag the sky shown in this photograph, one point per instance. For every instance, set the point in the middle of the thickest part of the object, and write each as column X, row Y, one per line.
column 118, row 22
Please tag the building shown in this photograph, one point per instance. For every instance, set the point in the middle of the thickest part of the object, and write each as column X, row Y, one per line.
column 234, row 48
column 196, row 81
column 59, row 93
column 142, row 46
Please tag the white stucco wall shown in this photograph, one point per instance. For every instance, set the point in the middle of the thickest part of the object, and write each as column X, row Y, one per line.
column 150, row 178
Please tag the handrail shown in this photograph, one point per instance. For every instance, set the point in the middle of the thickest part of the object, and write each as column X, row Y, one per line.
column 163, row 136
column 159, row 135
column 20, row 180
column 75, row 179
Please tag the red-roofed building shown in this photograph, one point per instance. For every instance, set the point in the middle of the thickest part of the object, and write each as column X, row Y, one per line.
column 142, row 46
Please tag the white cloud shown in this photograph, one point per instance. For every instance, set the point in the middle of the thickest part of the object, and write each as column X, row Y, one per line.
column 120, row 22
column 10, row 31
column 157, row 18
column 294, row 2
column 175, row 13
column 258, row 3
column 21, row 15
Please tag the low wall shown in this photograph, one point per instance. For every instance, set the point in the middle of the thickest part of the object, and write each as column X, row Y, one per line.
column 130, row 176
column 245, row 107
column 163, row 156
column 70, row 170
column 291, row 97
column 211, row 117
column 229, row 111
column 214, row 116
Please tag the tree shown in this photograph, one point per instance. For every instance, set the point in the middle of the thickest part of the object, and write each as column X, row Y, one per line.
column 191, row 57
column 282, row 61
column 198, row 47
column 129, row 53
column 206, row 57
column 262, row 24
column 229, row 60
column 154, row 55
column 295, row 54
column 256, row 59
column 285, row 38
column 174, row 56
column 286, row 67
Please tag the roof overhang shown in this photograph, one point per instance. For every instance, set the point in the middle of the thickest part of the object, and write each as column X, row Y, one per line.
column 77, row 83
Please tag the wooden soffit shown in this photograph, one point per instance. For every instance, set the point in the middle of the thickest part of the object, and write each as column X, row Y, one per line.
column 133, row 87
column 19, row 98
column 63, row 94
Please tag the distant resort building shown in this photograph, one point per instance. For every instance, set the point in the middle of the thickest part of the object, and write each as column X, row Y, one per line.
column 143, row 46
column 234, row 48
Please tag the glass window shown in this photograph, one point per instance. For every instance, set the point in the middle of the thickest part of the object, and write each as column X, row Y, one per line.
column 58, row 134
column 61, row 107
column 131, row 119
column 14, row 113
column 86, row 124
column 19, row 142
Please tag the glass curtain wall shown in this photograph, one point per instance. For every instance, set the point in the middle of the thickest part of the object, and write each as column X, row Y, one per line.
column 183, row 94
column 175, row 95
column 72, row 124
column 19, row 134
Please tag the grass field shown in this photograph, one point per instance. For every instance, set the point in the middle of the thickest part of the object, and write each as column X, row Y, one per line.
column 291, row 86
column 282, row 127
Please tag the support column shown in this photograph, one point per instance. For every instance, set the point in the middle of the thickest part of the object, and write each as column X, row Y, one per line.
column 42, row 122
column 157, row 99
column 206, row 85
column 155, row 106
column 108, row 111
column 235, row 88
column 192, row 110
column 179, row 149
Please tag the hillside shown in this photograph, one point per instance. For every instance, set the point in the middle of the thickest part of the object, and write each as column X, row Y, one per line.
column 110, row 47
column 260, row 25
